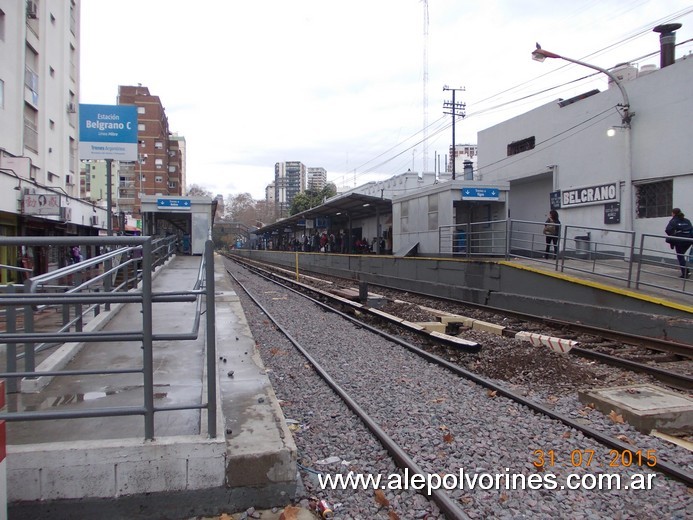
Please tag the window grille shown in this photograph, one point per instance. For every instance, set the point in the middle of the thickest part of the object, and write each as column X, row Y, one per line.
column 654, row 199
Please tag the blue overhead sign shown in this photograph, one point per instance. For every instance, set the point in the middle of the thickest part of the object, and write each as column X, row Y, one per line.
column 480, row 193
column 108, row 132
column 173, row 203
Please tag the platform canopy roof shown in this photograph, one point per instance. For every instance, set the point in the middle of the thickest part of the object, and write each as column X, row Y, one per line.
column 339, row 210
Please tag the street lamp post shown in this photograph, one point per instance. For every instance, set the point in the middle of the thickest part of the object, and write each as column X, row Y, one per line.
column 540, row 54
column 141, row 157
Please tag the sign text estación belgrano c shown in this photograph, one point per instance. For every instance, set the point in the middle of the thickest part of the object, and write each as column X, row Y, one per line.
column 108, row 132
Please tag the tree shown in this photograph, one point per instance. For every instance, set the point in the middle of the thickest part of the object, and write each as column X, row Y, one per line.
column 195, row 190
column 241, row 208
column 330, row 190
column 301, row 202
column 312, row 198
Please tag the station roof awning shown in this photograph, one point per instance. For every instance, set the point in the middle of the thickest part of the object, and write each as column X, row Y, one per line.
column 338, row 210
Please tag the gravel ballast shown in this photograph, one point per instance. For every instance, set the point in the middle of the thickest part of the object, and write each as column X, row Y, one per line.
column 447, row 424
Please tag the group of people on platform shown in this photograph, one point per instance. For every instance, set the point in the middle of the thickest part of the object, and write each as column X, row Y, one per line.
column 324, row 242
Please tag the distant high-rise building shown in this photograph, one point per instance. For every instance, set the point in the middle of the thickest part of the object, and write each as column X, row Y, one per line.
column 463, row 153
column 221, row 209
column 289, row 181
column 317, row 178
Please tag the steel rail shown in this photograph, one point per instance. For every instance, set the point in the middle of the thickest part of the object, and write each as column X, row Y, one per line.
column 442, row 500
column 680, row 381
column 670, row 378
column 668, row 469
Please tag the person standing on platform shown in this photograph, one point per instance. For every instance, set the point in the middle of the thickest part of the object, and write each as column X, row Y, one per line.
column 678, row 230
column 75, row 254
column 552, row 230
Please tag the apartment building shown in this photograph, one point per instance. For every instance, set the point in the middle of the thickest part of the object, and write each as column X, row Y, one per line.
column 159, row 168
column 317, row 178
column 289, row 181
column 39, row 128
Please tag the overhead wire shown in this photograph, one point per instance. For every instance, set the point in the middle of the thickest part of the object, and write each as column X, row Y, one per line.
column 553, row 140
column 644, row 29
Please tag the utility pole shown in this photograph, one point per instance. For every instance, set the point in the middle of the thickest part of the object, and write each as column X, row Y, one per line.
column 457, row 109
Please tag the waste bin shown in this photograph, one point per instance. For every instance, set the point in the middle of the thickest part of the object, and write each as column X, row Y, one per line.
column 582, row 246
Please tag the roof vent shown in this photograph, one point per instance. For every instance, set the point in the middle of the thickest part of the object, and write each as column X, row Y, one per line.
column 667, row 43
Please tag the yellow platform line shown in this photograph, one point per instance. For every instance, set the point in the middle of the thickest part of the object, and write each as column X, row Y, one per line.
column 601, row 286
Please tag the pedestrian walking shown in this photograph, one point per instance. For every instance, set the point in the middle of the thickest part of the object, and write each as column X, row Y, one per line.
column 680, row 233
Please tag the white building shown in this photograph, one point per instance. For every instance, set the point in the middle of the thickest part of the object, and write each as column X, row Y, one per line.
column 465, row 156
column 627, row 182
column 317, row 178
column 39, row 125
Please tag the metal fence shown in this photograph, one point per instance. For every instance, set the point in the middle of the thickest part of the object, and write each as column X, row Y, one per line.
column 118, row 271
column 646, row 260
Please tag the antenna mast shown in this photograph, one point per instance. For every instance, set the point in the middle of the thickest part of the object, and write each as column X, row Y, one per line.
column 425, row 89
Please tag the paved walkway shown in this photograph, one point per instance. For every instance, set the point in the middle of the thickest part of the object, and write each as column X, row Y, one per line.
column 178, row 374
column 66, row 468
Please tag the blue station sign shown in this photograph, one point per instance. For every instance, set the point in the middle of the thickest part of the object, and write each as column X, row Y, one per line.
column 480, row 193
column 108, row 132
column 173, row 204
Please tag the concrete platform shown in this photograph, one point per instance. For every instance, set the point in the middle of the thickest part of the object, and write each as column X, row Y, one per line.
column 645, row 407
column 104, row 467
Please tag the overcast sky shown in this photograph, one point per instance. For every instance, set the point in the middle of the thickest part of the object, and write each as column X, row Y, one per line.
column 341, row 84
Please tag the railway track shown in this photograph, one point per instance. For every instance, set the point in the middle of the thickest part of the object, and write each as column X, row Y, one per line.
column 621, row 351
column 423, row 396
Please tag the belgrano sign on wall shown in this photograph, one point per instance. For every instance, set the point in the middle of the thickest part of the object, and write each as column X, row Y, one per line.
column 590, row 195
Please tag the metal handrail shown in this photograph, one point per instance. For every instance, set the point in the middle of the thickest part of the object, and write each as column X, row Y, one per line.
column 78, row 291
column 608, row 253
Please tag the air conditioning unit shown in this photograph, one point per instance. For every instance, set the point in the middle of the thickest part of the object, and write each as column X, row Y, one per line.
column 94, row 220
column 31, row 10
column 71, row 108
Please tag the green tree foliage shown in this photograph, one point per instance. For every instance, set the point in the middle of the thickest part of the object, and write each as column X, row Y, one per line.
column 301, row 202
column 312, row 198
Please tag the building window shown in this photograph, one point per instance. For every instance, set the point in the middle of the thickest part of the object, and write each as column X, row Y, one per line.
column 433, row 212
column 2, row 94
column 30, row 127
column 654, row 199
column 159, row 163
column 171, row 185
column 2, row 25
column 521, row 146
column 158, row 145
column 158, row 179
column 140, row 110
column 404, row 216
column 140, row 127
